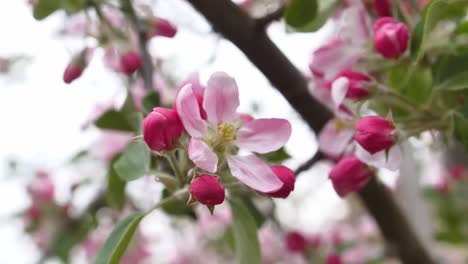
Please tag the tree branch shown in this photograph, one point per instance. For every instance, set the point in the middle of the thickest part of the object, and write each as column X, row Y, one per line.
column 309, row 163
column 146, row 68
column 264, row 21
column 242, row 30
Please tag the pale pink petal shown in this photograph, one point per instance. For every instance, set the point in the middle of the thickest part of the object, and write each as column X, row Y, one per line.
column 334, row 57
column 254, row 172
column 339, row 90
column 202, row 155
column 221, row 98
column 189, row 113
column 354, row 25
column 264, row 135
column 381, row 159
column 333, row 141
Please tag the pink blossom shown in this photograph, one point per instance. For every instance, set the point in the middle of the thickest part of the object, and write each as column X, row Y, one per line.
column 198, row 91
column 388, row 158
column 162, row 27
column 375, row 133
column 349, row 84
column 207, row 190
column 335, row 139
column 112, row 59
column 382, row 7
column 287, row 176
column 222, row 132
column 390, row 37
column 333, row 259
column 161, row 128
column 42, row 188
column 130, row 62
column 271, row 246
column 349, row 175
column 296, row 242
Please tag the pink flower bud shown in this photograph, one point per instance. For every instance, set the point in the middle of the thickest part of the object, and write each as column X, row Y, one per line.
column 288, row 178
column 207, row 190
column 333, row 259
column 72, row 72
column 130, row 62
column 390, row 37
column 163, row 28
column 349, row 175
column 161, row 128
column 382, row 7
column 348, row 84
column 457, row 171
column 33, row 213
column 295, row 242
column 375, row 134
column 42, row 188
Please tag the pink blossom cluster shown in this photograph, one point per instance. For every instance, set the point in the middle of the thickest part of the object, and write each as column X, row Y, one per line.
column 356, row 142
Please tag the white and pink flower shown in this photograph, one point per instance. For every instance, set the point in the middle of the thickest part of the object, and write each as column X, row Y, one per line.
column 222, row 133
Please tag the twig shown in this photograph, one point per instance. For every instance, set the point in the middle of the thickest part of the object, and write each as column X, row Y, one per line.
column 146, row 68
column 309, row 163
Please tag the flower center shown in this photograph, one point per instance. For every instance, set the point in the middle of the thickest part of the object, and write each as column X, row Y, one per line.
column 226, row 132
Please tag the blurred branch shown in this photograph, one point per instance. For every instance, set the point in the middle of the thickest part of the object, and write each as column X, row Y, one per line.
column 264, row 21
column 227, row 18
column 146, row 68
column 309, row 163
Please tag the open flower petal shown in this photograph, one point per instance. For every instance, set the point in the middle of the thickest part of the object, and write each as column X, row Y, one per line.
column 254, row 172
column 264, row 135
column 221, row 98
column 333, row 141
column 189, row 113
column 202, row 155
column 339, row 90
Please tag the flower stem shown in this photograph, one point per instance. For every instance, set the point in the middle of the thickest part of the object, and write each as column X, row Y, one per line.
column 171, row 158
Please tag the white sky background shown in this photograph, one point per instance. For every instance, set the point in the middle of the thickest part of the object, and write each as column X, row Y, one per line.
column 42, row 117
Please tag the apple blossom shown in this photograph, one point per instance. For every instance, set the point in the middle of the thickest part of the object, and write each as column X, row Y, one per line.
column 296, row 242
column 161, row 128
column 390, row 37
column 375, row 133
column 335, row 139
column 286, row 175
column 72, row 72
column 207, row 190
column 222, row 133
column 162, row 27
column 349, row 175
column 348, row 84
column 130, row 62
column 333, row 259
column 382, row 7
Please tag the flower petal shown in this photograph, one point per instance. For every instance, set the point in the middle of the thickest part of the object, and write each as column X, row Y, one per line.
column 333, row 141
column 189, row 113
column 339, row 90
column 221, row 98
column 202, row 155
column 381, row 159
column 254, row 172
column 264, row 135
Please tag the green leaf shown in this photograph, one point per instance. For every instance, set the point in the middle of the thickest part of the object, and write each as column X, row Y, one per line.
column 134, row 161
column 461, row 130
column 435, row 11
column 411, row 81
column 254, row 212
column 115, row 187
column 301, row 12
column 150, row 101
column 451, row 72
column 73, row 6
column 177, row 207
column 247, row 248
column 117, row 242
column 44, row 8
column 122, row 121
column 277, row 156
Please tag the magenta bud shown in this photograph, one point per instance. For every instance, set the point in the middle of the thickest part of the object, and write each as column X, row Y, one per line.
column 163, row 28
column 161, row 128
column 33, row 213
column 130, row 62
column 357, row 80
column 207, row 190
column 295, row 242
column 375, row 134
column 72, row 72
column 382, row 7
column 333, row 259
column 390, row 37
column 288, row 178
column 349, row 175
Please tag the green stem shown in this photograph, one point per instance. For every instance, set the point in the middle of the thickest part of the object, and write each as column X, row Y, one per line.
column 173, row 162
column 115, row 32
column 174, row 197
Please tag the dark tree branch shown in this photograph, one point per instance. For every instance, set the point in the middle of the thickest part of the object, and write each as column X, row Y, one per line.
column 309, row 163
column 146, row 68
column 242, row 30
